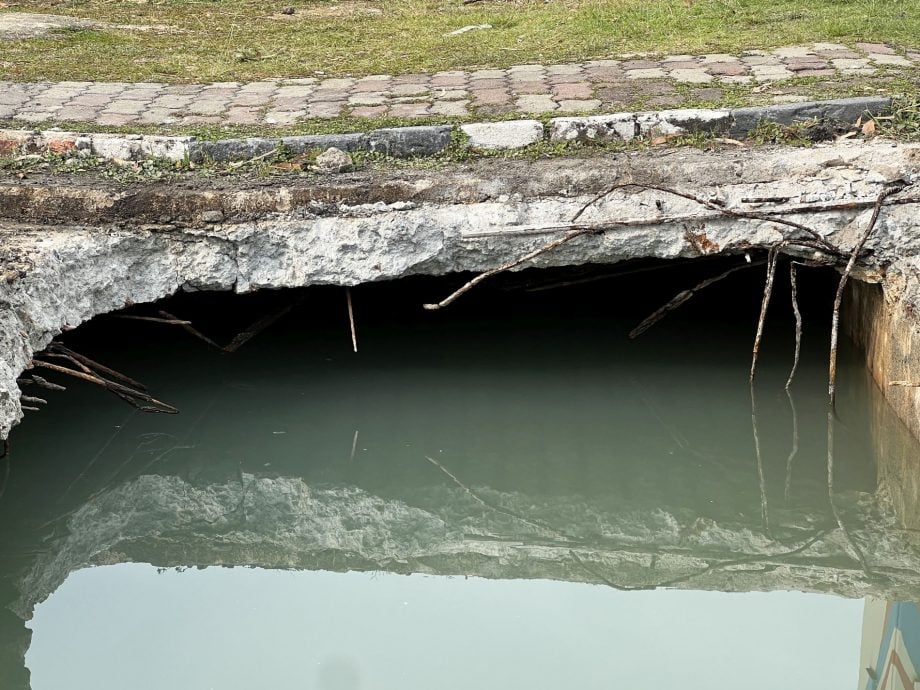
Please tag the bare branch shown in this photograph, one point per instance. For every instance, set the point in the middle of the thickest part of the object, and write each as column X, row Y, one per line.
column 764, row 306
column 683, row 296
column 838, row 298
column 506, row 267
column 351, row 319
column 798, row 325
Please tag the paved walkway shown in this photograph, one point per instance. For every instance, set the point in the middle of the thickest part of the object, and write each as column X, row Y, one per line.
column 596, row 85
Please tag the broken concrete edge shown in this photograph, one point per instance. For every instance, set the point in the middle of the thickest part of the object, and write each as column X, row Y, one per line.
column 429, row 140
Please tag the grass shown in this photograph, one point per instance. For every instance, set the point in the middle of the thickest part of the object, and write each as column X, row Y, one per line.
column 241, row 40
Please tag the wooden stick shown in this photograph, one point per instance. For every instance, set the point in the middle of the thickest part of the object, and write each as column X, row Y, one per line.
column 351, row 322
column 258, row 326
column 33, row 400
column 46, row 384
column 838, row 298
column 682, row 297
column 154, row 319
column 506, row 267
column 99, row 368
column 798, row 326
column 764, row 305
column 123, row 392
column 188, row 328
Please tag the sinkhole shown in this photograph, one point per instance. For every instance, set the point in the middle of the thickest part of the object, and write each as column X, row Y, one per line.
column 519, row 437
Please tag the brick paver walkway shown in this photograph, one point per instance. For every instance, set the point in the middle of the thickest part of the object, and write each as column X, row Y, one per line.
column 596, row 85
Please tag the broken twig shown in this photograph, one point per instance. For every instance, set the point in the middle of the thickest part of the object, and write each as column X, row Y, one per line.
column 507, row 267
column 682, row 297
column 798, row 327
column 128, row 394
column 838, row 297
column 772, row 260
column 258, row 326
column 351, row 321
column 96, row 366
column 188, row 328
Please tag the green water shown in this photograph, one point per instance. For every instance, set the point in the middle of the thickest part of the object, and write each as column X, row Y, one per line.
column 573, row 508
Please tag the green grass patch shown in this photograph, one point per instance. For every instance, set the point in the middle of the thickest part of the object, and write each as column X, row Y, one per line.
column 242, row 40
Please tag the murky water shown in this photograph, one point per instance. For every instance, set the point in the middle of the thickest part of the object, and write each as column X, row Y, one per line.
column 572, row 508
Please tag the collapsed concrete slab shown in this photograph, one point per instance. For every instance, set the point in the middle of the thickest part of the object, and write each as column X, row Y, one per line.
column 70, row 252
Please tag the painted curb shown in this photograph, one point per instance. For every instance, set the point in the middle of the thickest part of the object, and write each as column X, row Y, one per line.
column 428, row 140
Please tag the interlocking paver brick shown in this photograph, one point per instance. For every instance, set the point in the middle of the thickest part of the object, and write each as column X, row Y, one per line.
column 370, row 98
column 579, row 106
column 452, row 95
column 639, row 64
column 369, row 111
column 125, row 107
column 325, row 110
column 490, row 96
column 876, row 48
column 727, row 69
column 536, row 104
column 883, row 59
column 573, row 91
column 116, row 119
column 488, row 74
column 409, row 90
column 691, row 76
column 481, row 84
column 77, row 113
column 409, row 110
column 449, row 80
column 244, row 116
column 450, row 108
column 618, row 83
column 285, row 117
column 530, row 88
column 651, row 73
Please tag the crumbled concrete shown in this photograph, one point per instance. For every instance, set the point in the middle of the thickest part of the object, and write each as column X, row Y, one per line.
column 512, row 134
column 92, row 248
column 333, row 160
column 619, row 126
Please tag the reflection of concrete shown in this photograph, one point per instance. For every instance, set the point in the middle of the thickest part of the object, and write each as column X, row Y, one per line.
column 890, row 651
column 284, row 523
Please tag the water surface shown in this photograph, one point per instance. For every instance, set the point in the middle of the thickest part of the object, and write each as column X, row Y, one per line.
column 509, row 494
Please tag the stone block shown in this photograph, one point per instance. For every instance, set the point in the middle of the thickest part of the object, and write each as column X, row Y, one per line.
column 842, row 110
column 512, row 134
column 684, row 121
column 406, row 142
column 579, row 105
column 535, row 104
column 617, row 126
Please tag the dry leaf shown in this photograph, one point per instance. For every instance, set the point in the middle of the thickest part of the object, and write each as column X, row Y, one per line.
column 868, row 129
column 858, row 123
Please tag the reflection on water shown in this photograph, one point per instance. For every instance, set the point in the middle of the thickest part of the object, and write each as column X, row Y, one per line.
column 387, row 632
column 573, row 478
